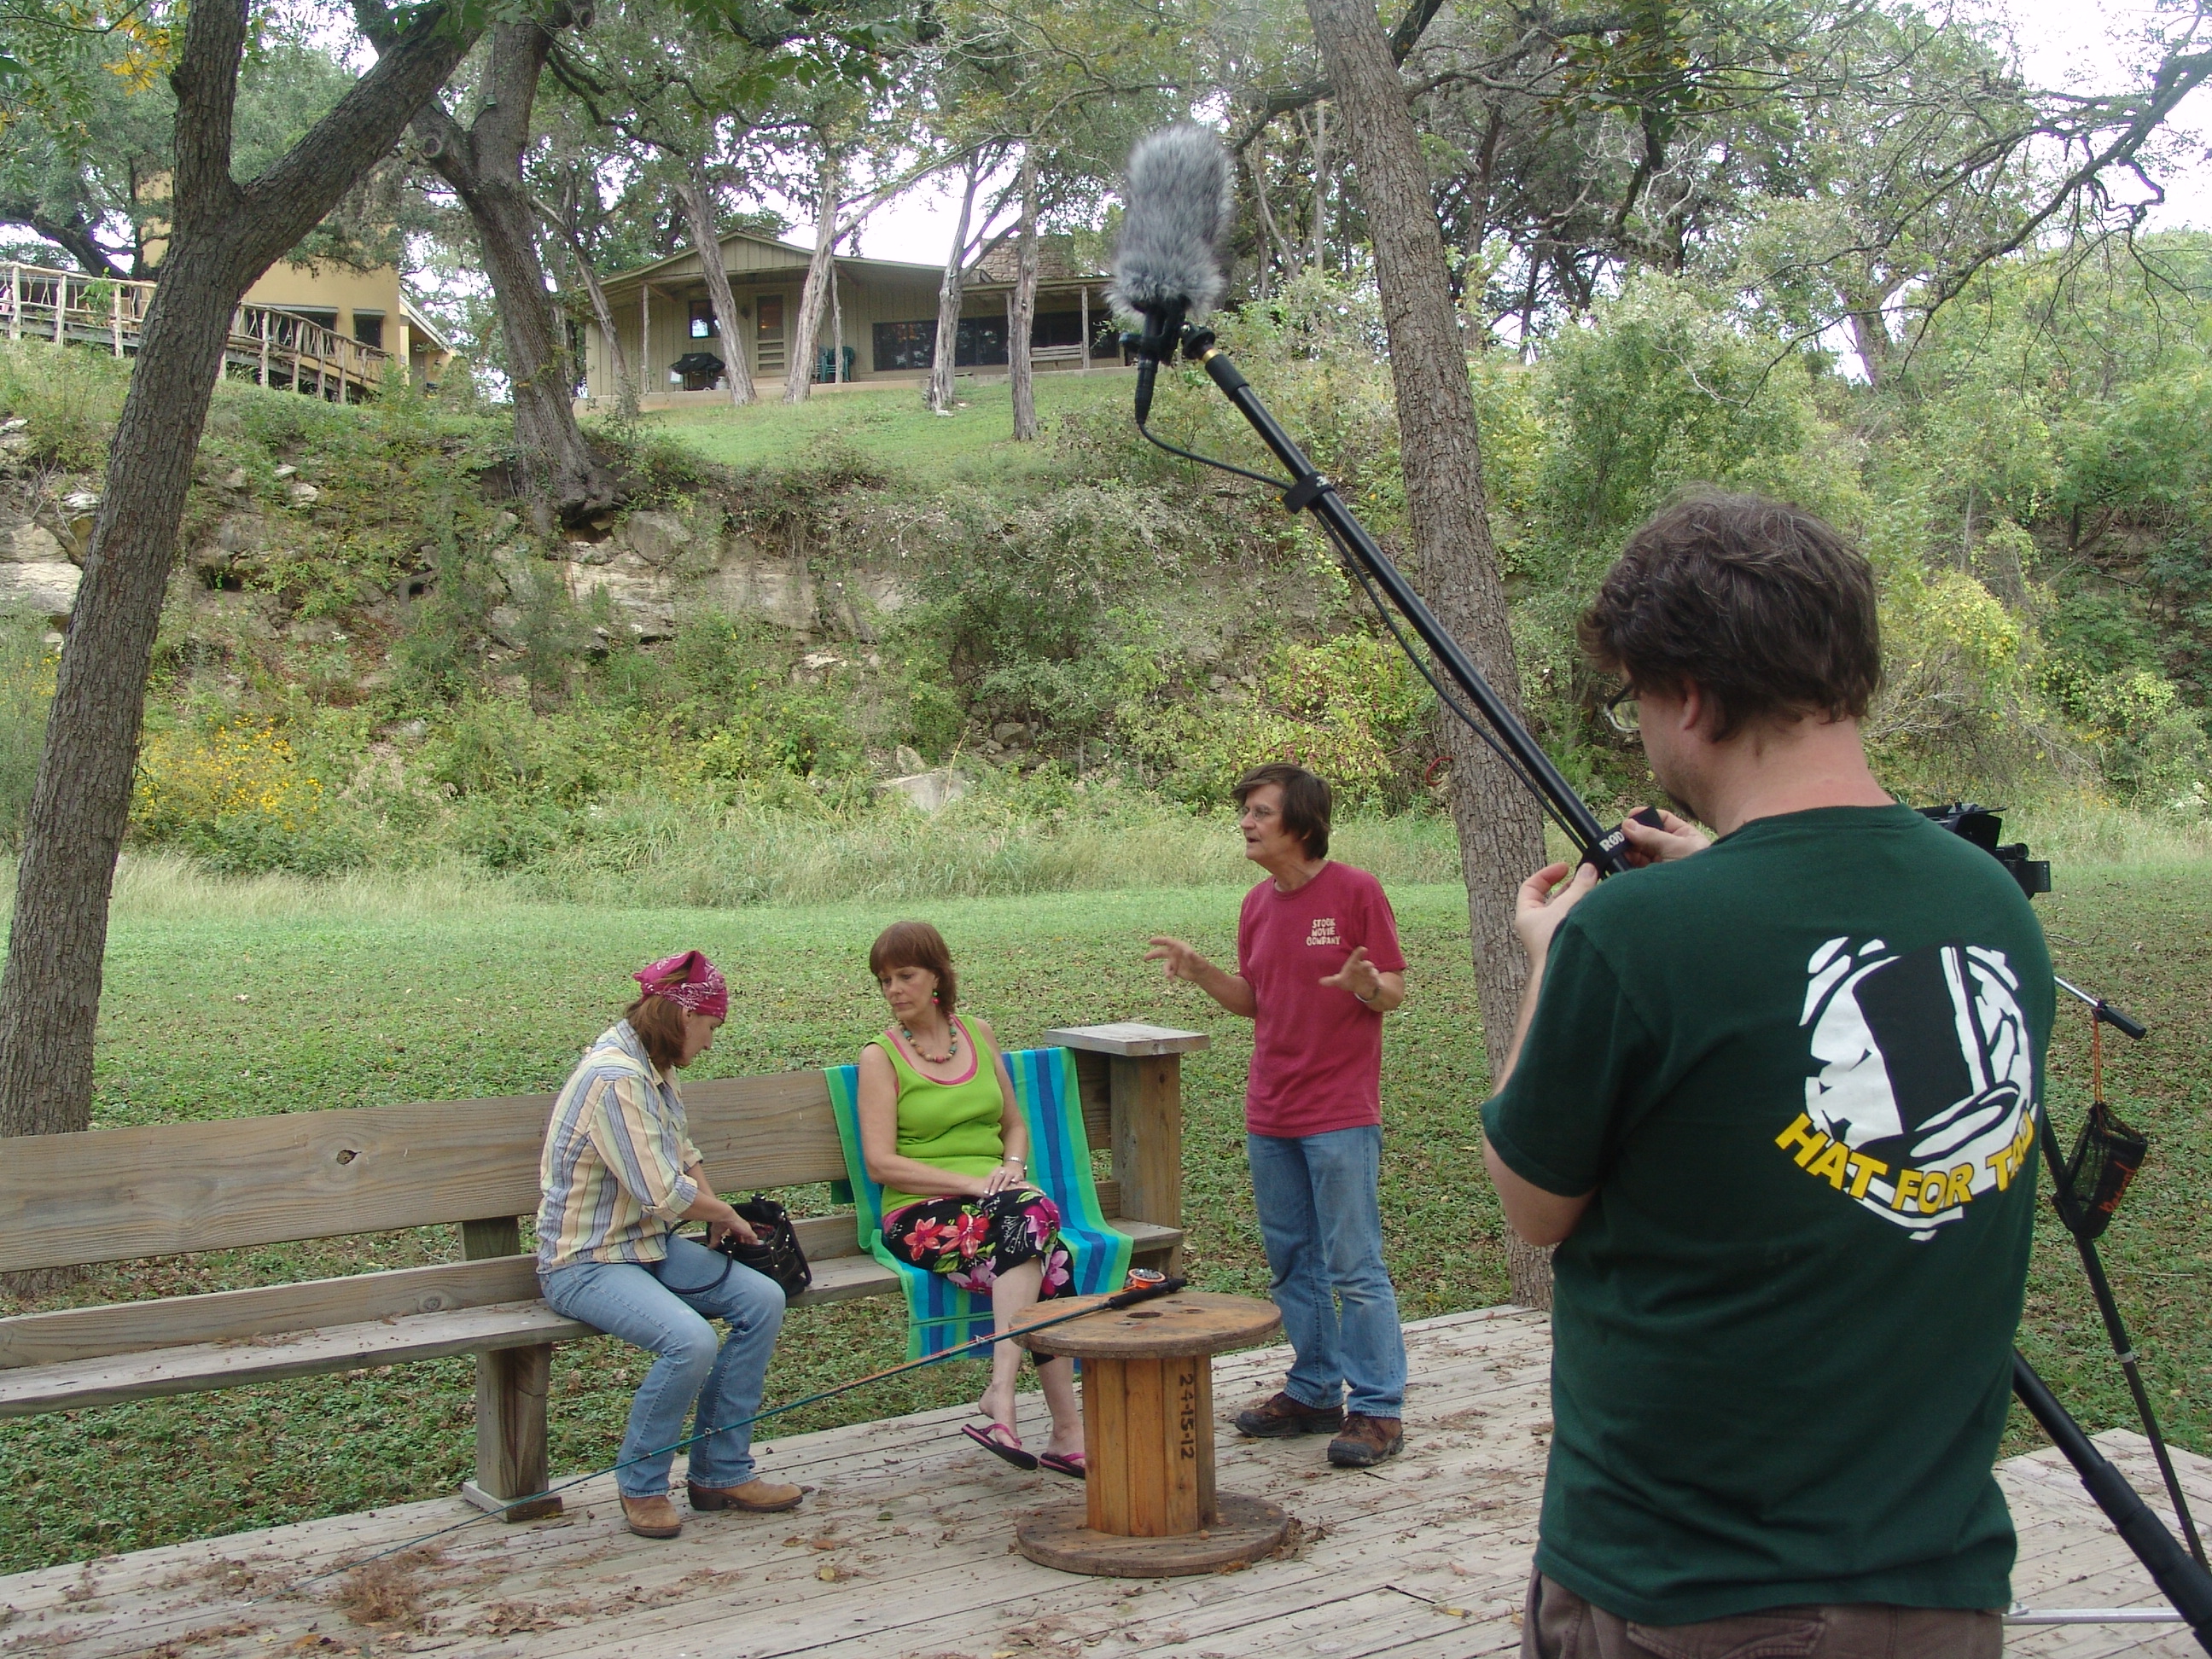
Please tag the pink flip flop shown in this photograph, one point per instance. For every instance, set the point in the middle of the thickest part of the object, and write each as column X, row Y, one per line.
column 1072, row 1465
column 1009, row 1449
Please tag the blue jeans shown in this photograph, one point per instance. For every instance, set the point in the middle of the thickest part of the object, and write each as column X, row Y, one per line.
column 725, row 1378
column 1320, row 1220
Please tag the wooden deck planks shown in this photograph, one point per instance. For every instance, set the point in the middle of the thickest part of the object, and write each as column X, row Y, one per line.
column 1427, row 1556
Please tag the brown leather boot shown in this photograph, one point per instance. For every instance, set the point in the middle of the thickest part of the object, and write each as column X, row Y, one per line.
column 652, row 1517
column 759, row 1497
column 1366, row 1440
column 1278, row 1416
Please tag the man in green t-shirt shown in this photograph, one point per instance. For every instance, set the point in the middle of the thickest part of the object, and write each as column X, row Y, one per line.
column 1774, row 1100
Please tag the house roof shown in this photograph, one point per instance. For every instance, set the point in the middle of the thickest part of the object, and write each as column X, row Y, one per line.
column 782, row 255
column 419, row 324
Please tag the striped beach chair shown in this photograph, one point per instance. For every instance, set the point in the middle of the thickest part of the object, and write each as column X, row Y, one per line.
column 939, row 1314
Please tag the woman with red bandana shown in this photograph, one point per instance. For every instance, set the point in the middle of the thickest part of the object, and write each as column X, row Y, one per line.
column 618, row 1173
column 940, row 1131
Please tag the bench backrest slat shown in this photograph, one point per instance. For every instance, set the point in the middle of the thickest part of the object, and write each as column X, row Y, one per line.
column 179, row 1188
column 48, row 1338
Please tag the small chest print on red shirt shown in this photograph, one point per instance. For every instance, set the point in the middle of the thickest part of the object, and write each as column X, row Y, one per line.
column 1316, row 1053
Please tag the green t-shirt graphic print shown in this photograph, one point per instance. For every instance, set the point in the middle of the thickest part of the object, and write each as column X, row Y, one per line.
column 1800, row 1071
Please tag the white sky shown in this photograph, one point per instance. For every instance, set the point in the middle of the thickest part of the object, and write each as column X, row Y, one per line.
column 2077, row 45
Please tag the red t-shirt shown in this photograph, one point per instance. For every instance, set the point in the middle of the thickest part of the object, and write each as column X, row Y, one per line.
column 1317, row 1049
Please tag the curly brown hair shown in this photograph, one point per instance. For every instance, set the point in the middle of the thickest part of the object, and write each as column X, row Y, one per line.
column 1761, row 605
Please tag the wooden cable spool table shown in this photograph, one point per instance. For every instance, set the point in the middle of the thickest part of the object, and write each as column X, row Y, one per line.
column 1150, row 1508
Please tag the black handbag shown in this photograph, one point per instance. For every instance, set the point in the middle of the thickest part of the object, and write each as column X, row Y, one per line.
column 777, row 1256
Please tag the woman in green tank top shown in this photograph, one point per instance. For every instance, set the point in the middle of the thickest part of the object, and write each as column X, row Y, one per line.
column 940, row 1131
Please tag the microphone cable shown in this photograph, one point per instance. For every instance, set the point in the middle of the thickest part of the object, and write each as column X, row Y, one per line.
column 1465, row 716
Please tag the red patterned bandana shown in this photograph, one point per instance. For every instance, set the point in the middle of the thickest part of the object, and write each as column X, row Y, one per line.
column 688, row 981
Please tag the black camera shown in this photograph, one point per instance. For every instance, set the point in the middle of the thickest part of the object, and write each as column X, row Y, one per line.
column 1982, row 826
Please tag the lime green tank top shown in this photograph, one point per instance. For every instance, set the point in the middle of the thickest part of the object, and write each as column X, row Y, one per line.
column 954, row 1126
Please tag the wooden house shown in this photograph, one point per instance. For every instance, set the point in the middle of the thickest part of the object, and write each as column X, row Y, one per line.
column 886, row 314
column 368, row 307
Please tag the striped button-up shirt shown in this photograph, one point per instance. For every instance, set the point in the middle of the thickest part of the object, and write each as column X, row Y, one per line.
column 612, row 1180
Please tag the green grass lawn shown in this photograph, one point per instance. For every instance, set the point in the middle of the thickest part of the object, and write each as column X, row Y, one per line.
column 889, row 427
column 314, row 1007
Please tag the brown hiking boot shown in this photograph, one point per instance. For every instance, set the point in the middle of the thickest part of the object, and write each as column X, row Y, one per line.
column 652, row 1517
column 1279, row 1417
column 1366, row 1440
column 759, row 1497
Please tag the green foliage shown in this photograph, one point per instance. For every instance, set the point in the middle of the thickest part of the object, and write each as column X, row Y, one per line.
column 70, row 401
column 26, row 687
column 1347, row 708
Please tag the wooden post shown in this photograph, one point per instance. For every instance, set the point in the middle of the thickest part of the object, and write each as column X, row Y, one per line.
column 512, row 1384
column 61, row 304
column 645, row 338
column 1085, row 369
column 1145, row 1095
column 115, row 312
column 14, row 303
column 265, row 351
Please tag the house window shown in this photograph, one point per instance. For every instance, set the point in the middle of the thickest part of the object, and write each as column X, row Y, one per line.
column 904, row 345
column 298, row 330
column 702, row 320
column 1056, row 328
column 369, row 328
column 980, row 344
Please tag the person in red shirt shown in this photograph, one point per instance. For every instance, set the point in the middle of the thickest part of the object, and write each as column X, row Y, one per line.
column 1317, row 967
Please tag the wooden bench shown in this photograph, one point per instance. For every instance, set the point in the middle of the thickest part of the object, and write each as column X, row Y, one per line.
column 177, row 1190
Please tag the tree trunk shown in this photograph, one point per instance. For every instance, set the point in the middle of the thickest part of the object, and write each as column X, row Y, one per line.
column 1286, row 251
column 828, row 187
column 626, row 392
column 1870, row 331
column 1021, row 311
column 484, row 164
column 1317, row 254
column 698, row 198
column 223, row 236
column 938, row 396
column 1500, row 834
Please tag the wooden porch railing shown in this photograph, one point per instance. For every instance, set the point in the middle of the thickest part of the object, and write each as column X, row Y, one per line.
column 268, row 344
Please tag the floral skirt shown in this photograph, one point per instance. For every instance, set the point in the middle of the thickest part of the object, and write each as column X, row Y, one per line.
column 971, row 1241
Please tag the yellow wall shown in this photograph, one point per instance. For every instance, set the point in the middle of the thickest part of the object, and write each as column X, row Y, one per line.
column 325, row 287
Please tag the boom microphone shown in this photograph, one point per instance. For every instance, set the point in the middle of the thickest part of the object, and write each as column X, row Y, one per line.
column 1168, row 268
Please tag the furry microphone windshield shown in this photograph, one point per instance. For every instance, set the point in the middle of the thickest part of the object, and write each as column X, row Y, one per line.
column 1177, row 208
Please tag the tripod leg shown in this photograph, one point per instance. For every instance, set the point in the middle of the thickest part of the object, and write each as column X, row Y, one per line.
column 2123, row 1350
column 2187, row 1585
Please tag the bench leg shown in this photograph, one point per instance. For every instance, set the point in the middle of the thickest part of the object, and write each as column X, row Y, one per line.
column 511, row 1390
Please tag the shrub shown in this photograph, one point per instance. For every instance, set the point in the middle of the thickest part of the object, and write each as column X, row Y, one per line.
column 236, row 794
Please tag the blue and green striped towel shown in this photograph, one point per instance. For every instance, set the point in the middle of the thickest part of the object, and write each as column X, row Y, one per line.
column 939, row 1314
